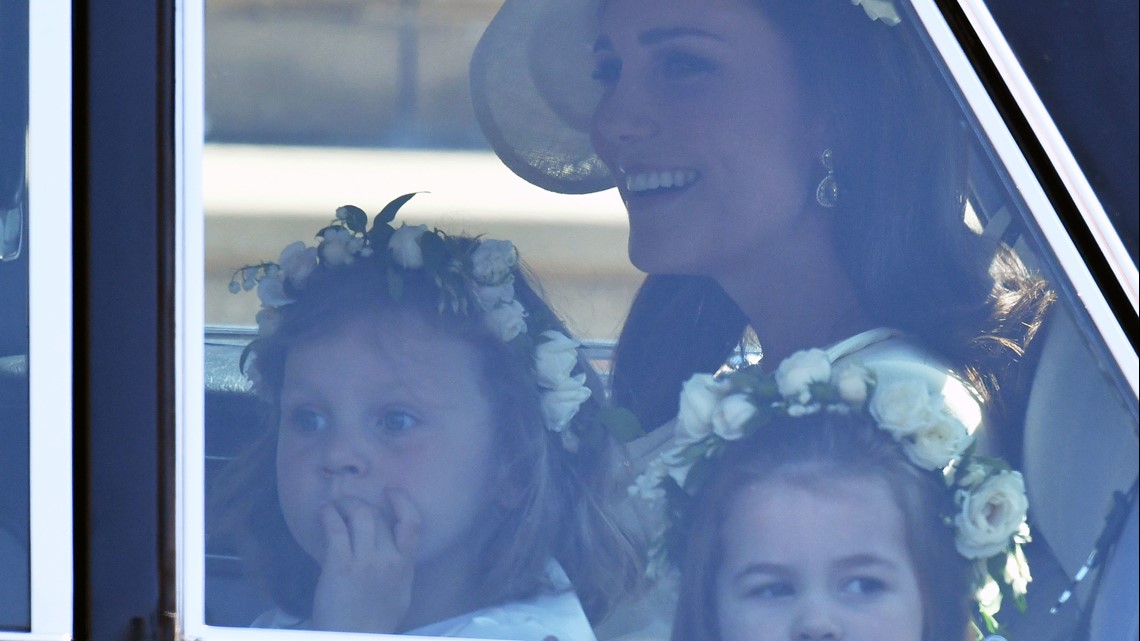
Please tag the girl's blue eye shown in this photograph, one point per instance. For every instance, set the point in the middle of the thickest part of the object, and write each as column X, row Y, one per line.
column 607, row 71
column 397, row 422
column 773, row 590
column 307, row 420
column 864, row 585
column 682, row 66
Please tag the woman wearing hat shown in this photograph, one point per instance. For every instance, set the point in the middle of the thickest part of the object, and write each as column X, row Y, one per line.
column 794, row 172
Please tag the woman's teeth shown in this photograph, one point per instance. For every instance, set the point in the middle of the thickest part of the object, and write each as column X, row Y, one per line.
column 650, row 180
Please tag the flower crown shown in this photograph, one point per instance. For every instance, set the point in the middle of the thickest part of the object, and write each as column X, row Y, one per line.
column 473, row 277
column 989, row 525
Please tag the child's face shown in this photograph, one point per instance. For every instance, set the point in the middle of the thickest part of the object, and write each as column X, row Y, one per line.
column 827, row 561
column 381, row 406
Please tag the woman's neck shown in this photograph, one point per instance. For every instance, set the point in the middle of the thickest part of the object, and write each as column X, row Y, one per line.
column 797, row 296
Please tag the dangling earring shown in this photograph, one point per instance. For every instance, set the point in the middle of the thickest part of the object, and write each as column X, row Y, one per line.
column 827, row 194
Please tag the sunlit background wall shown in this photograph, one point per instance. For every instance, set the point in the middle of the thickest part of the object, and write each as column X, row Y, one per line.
column 315, row 104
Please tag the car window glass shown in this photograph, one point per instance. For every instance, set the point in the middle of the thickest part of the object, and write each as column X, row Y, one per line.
column 15, row 613
column 313, row 106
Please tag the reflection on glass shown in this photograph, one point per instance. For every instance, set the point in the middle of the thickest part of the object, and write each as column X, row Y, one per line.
column 794, row 175
column 15, row 611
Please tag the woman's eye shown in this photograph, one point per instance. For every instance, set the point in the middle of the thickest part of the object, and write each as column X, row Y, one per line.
column 306, row 420
column 397, row 422
column 865, row 586
column 773, row 590
column 682, row 66
column 606, row 71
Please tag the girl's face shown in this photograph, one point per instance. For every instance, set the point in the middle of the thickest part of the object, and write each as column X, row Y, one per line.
column 703, row 126
column 820, row 562
column 387, row 405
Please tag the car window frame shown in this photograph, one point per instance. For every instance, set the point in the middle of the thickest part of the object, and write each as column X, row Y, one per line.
column 50, row 353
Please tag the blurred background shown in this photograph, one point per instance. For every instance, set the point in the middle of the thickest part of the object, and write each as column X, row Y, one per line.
column 315, row 104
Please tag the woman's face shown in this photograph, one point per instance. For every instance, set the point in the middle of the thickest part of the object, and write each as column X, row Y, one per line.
column 703, row 125
column 385, row 405
column 824, row 561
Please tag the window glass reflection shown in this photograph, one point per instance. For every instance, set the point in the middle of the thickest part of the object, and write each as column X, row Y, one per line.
column 14, row 538
column 794, row 176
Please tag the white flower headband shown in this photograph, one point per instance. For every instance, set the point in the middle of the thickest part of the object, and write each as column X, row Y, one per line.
column 990, row 523
column 473, row 278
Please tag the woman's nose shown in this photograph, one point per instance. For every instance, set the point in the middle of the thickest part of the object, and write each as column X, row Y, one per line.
column 624, row 115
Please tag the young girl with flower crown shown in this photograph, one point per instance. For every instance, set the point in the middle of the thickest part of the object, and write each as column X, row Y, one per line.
column 434, row 456
column 835, row 501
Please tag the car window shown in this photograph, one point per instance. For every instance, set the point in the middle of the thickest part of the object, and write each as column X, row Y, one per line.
column 309, row 107
column 15, row 611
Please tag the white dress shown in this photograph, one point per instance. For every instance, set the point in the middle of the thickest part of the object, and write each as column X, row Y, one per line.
column 555, row 614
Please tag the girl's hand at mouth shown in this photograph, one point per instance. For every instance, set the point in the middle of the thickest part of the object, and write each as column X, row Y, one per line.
column 366, row 574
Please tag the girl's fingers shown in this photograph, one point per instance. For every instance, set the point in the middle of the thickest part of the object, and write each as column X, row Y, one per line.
column 338, row 543
column 364, row 524
column 406, row 529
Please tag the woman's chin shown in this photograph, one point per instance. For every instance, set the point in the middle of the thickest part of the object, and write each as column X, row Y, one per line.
column 656, row 256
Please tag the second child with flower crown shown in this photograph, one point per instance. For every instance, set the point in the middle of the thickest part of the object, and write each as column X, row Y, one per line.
column 434, row 460
column 841, row 497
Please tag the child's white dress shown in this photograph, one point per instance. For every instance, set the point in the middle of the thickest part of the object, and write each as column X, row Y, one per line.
column 556, row 614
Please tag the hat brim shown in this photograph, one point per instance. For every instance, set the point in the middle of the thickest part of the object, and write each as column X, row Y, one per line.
column 534, row 96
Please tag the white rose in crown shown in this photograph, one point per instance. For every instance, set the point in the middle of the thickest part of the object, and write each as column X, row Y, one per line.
column 492, row 260
column 991, row 514
column 268, row 319
column 405, row 246
column 554, row 359
column 491, row 296
column 731, row 415
column 297, row 261
column 339, row 246
column 852, row 382
column 647, row 485
column 798, row 371
column 559, row 405
column 271, row 292
column 699, row 398
column 506, row 321
column 675, row 466
column 903, row 407
column 940, row 441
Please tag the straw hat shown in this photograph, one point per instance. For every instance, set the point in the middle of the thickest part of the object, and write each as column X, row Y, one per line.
column 534, row 95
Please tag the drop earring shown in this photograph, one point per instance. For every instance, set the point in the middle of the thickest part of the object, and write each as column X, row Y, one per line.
column 827, row 194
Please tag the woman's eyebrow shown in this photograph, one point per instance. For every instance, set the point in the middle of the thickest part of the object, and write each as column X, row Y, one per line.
column 657, row 36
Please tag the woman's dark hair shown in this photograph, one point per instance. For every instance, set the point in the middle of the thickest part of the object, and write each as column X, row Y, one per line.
column 819, row 452
column 901, row 155
column 557, row 497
